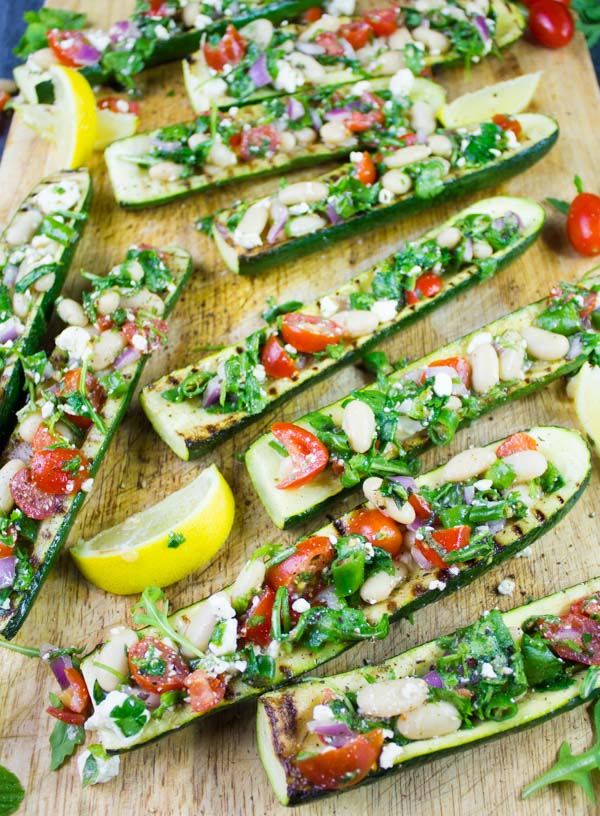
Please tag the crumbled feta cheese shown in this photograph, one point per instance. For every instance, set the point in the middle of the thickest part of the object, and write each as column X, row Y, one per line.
column 384, row 310
column 511, row 140
column 139, row 342
column 273, row 648
column 454, row 570
column 221, row 606
column 328, row 306
column 506, row 587
column 442, row 384
column 506, row 670
column 322, row 713
column 441, row 585
column 385, row 196
column 161, row 32
column 361, row 87
column 98, row 38
column 260, row 373
column 102, row 721
column 341, row 7
column 288, row 78
column 300, row 605
column 87, row 485
column 525, row 553
column 106, row 767
column 388, row 733
column 480, row 339
column 61, row 196
column 487, row 671
column 389, row 754
column 483, row 484
column 228, row 641
column 356, row 156
column 202, row 21
column 47, row 409
column 75, row 340
column 401, row 83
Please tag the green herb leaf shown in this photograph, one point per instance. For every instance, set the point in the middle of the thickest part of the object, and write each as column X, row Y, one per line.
column 131, row 716
column 64, row 739
column 39, row 22
column 588, row 20
column 175, row 540
column 11, row 792
column 146, row 612
column 559, row 204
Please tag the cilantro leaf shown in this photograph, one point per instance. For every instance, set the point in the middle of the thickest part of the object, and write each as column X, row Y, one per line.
column 64, row 739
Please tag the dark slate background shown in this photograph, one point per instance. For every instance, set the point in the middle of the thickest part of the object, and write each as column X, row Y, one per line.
column 11, row 26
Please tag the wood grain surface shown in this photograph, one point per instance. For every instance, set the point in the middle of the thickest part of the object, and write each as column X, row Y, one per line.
column 213, row 769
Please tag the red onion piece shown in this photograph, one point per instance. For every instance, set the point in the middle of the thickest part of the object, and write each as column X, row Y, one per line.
column 279, row 214
column 127, row 357
column 58, row 666
column 258, row 72
column 334, row 733
column 496, row 526
column 468, row 253
column 480, row 24
column 420, row 559
column 415, row 525
column 406, row 481
column 575, row 348
column 8, row 570
column 338, row 114
column 433, row 679
column 333, row 215
column 469, row 494
column 310, row 49
column 315, row 118
column 498, row 223
column 212, row 393
column 85, row 55
column 22, row 450
column 10, row 329
column 294, row 109
column 166, row 147
column 123, row 30
column 422, row 136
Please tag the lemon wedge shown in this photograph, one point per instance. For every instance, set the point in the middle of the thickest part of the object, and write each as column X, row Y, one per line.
column 510, row 97
column 584, row 390
column 113, row 126
column 163, row 543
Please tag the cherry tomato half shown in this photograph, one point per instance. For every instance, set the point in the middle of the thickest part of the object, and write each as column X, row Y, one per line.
column 383, row 21
column 365, row 170
column 515, row 444
column 420, row 506
column 454, row 538
column 583, row 224
column 68, row 46
column 376, row 527
column 75, row 697
column 302, row 570
column 551, row 23
column 277, row 362
column 256, row 627
column 93, row 390
column 66, row 716
column 156, row 667
column 119, row 105
column 311, row 15
column 59, row 472
column 309, row 333
column 308, row 455
column 358, row 121
column 358, row 33
column 508, row 123
column 574, row 637
column 230, row 50
column 205, row 692
column 338, row 768
column 260, row 141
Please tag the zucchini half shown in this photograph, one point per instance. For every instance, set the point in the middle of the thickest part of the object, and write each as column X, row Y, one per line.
column 53, row 532
column 133, row 186
column 282, row 716
column 540, row 133
column 289, row 507
column 190, row 430
column 510, row 25
column 566, row 449
column 11, row 378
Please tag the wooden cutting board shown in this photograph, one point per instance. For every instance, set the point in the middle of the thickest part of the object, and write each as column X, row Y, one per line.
column 213, row 769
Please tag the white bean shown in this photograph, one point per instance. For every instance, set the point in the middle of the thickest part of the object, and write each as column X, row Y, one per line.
column 387, row 505
column 387, row 63
column 21, row 303
column 423, row 118
column 428, row 721
column 357, row 322
column 306, row 136
column 303, row 191
column 45, row 283
column 258, row 31
column 407, row 155
column 434, row 41
column 399, row 39
column 29, row 425
column 335, row 133
column 396, row 181
column 198, row 628
column 288, row 141
column 305, row 225
column 467, row 464
column 377, row 588
column 189, row 14
column 135, row 271
column 312, row 70
column 358, row 423
column 545, row 345
column 6, row 473
column 449, row 238
column 440, row 145
column 221, row 155
column 114, row 655
column 144, row 299
column 44, row 58
column 24, row 226
column 485, row 368
column 165, row 171
column 481, row 250
column 71, row 312
column 389, row 698
column 254, row 219
column 106, row 349
column 251, row 577
column 108, row 302
column 511, row 363
column 196, row 139
column 527, row 464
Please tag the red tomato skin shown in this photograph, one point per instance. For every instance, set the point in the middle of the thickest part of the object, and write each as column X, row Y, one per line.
column 67, row 55
column 365, row 170
column 412, row 297
column 515, row 444
column 205, row 692
column 276, row 361
column 47, row 471
column 259, row 633
column 176, row 670
column 306, row 564
column 114, row 104
column 358, row 122
column 376, row 527
column 358, row 33
column 420, row 506
column 229, row 51
column 66, row 716
column 508, row 123
column 311, row 15
column 35, row 503
column 583, row 224
column 329, row 41
column 551, row 23
column 44, row 439
column 300, row 444
column 383, row 21
column 429, row 284
column 94, row 392
column 308, row 333
column 256, row 137
column 453, row 539
column 6, row 551
column 76, row 697
column 460, row 364
column 339, row 768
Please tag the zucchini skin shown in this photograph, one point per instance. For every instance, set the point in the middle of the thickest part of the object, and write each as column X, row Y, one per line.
column 196, row 448
column 10, row 625
column 11, row 388
column 424, row 598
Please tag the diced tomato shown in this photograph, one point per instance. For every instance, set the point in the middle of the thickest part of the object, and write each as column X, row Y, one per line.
column 365, row 170
column 429, row 284
column 66, row 716
column 309, row 333
column 302, row 570
column 4, row 97
column 308, row 455
column 508, row 123
column 329, row 41
column 412, row 297
column 311, row 15
column 420, row 506
column 156, row 667
column 376, row 527
column 205, row 692
column 589, row 606
column 75, row 697
column 235, row 140
column 338, row 768
column 460, row 364
column 117, row 104
column 574, row 637
column 230, row 50
column 155, row 331
column 277, row 362
column 93, row 390
column 257, row 620
column 59, row 472
column 383, row 21
column 358, row 121
column 358, row 33
column 68, row 46
column 515, row 444
column 6, row 551
column 105, row 322
column 589, row 305
column 158, row 8
column 260, row 141
column 449, row 540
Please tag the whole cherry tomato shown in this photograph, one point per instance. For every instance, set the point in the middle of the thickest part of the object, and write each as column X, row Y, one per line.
column 551, row 23
column 583, row 224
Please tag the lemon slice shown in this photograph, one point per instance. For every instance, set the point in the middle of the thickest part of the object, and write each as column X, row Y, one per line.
column 510, row 97
column 163, row 543
column 584, row 390
column 113, row 126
